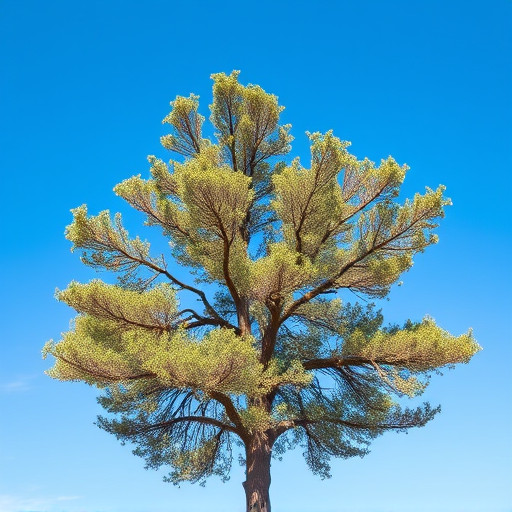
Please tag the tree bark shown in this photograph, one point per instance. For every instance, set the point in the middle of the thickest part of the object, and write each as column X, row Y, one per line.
column 258, row 453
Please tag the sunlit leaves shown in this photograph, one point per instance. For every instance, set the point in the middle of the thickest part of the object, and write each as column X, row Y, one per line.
column 106, row 243
column 309, row 201
column 387, row 236
column 215, row 197
column 186, row 123
column 155, row 309
column 145, row 196
column 274, row 277
column 98, row 352
column 317, row 205
column 247, row 122
column 423, row 347
column 221, row 361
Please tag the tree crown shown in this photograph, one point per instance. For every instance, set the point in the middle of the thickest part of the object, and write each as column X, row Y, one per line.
column 273, row 353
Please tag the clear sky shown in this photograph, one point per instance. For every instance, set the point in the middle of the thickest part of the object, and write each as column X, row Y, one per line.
column 84, row 86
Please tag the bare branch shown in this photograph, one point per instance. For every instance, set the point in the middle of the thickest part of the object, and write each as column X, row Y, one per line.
column 196, row 419
column 231, row 412
column 304, row 422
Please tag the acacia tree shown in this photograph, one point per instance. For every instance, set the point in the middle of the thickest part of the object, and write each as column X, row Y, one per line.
column 273, row 358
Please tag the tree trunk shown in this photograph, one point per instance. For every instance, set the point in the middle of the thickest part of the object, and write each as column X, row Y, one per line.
column 257, row 483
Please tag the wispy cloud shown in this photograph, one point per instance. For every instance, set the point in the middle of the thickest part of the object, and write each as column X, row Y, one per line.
column 14, row 386
column 67, row 498
column 12, row 503
column 18, row 384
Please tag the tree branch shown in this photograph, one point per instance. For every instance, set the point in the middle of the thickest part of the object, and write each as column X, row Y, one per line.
column 203, row 320
column 339, row 362
column 330, row 283
column 304, row 422
column 231, row 412
column 106, row 377
column 202, row 296
column 197, row 419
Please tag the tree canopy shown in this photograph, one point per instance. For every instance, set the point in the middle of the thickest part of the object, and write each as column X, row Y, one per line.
column 270, row 357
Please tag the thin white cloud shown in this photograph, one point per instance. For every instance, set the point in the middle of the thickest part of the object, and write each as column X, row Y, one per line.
column 18, row 384
column 12, row 503
column 14, row 386
column 67, row 498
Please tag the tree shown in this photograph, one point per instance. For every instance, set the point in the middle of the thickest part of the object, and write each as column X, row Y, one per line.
column 275, row 359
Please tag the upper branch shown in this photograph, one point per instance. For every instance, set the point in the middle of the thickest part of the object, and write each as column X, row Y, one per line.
column 108, row 246
column 186, row 124
column 247, row 119
column 388, row 237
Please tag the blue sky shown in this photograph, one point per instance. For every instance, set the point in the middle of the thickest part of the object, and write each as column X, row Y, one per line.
column 84, row 86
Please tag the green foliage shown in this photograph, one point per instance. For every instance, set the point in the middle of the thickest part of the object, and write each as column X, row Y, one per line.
column 277, row 355
column 155, row 309
column 418, row 348
column 186, row 123
column 278, row 274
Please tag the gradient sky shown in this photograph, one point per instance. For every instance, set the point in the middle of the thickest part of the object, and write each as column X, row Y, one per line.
column 84, row 87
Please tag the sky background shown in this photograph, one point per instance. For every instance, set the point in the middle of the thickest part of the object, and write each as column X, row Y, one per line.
column 84, row 87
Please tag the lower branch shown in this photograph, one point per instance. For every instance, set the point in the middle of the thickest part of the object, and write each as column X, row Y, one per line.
column 193, row 419
column 231, row 412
